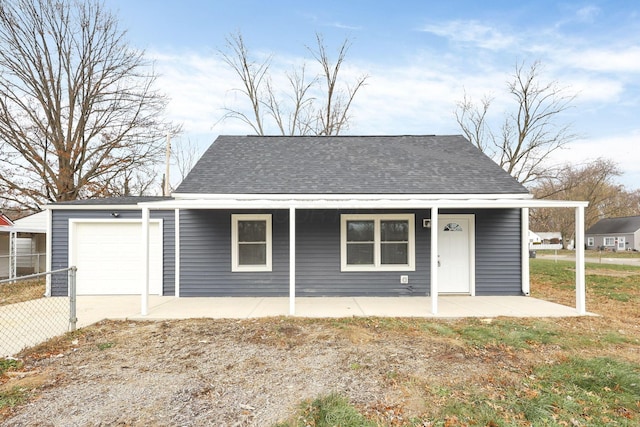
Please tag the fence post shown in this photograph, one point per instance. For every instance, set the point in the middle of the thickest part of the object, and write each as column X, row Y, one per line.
column 73, row 320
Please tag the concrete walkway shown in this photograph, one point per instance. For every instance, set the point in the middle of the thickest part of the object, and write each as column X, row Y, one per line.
column 95, row 308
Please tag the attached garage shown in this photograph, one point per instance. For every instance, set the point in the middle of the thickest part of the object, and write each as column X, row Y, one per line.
column 109, row 256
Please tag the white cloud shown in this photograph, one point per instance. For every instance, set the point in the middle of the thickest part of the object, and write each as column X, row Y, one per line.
column 622, row 60
column 472, row 32
column 621, row 148
column 199, row 87
column 587, row 13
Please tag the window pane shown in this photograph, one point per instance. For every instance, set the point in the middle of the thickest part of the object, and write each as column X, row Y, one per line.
column 252, row 254
column 394, row 253
column 360, row 254
column 394, row 231
column 252, row 231
column 452, row 226
column 359, row 231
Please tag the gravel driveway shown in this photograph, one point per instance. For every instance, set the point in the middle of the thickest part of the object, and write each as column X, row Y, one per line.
column 236, row 373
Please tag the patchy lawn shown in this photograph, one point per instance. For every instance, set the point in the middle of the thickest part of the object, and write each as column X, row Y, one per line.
column 350, row 372
column 21, row 291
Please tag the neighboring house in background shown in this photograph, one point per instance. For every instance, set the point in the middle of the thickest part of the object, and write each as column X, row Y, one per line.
column 23, row 246
column 615, row 234
column 311, row 216
column 5, row 234
column 5, row 221
column 547, row 240
column 534, row 239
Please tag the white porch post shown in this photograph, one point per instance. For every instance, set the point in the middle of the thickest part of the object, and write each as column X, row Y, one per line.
column 49, row 263
column 144, row 309
column 580, row 271
column 292, row 261
column 13, row 254
column 434, row 260
column 526, row 287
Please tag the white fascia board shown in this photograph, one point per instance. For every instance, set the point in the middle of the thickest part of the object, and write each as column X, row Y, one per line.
column 373, row 202
column 92, row 207
column 195, row 196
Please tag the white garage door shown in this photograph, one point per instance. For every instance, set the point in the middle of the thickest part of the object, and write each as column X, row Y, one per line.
column 109, row 258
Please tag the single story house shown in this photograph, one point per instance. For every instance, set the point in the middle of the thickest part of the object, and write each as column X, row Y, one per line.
column 546, row 240
column 312, row 216
column 615, row 234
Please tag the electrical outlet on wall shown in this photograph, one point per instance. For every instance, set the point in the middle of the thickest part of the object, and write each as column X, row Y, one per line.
column 404, row 279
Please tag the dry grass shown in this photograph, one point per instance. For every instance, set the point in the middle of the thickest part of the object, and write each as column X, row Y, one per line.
column 21, row 291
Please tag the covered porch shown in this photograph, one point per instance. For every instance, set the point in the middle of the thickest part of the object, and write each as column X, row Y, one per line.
column 425, row 306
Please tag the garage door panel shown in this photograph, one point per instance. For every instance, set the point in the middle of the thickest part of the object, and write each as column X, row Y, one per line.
column 110, row 260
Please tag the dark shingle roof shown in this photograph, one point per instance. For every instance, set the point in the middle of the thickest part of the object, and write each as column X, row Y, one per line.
column 112, row 201
column 347, row 165
column 627, row 224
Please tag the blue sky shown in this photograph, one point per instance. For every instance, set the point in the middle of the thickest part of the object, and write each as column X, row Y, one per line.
column 421, row 56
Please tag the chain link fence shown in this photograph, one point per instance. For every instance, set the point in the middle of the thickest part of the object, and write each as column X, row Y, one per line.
column 22, row 264
column 28, row 317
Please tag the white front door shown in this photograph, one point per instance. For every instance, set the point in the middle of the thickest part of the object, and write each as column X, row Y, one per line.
column 456, row 254
column 621, row 243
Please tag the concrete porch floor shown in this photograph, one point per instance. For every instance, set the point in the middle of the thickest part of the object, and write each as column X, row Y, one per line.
column 91, row 309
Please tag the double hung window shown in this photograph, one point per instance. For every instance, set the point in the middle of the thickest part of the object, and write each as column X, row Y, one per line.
column 378, row 242
column 251, row 242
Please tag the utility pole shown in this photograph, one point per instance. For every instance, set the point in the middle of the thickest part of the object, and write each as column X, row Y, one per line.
column 167, row 182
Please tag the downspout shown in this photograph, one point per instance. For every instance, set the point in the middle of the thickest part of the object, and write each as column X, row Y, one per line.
column 526, row 284
column 48, row 245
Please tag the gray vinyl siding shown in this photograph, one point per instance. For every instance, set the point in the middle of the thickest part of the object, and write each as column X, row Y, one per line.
column 498, row 252
column 60, row 243
column 205, row 253
column 205, row 257
column 205, row 246
column 318, row 260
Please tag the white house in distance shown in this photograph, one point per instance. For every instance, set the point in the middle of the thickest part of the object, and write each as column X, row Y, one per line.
column 539, row 240
column 23, row 245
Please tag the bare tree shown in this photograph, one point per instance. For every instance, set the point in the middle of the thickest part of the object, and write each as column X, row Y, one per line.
column 186, row 155
column 592, row 182
column 294, row 110
column 529, row 135
column 79, row 116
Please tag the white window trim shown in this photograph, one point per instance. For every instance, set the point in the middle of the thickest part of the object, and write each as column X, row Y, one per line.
column 235, row 267
column 377, row 266
column 591, row 241
column 611, row 238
